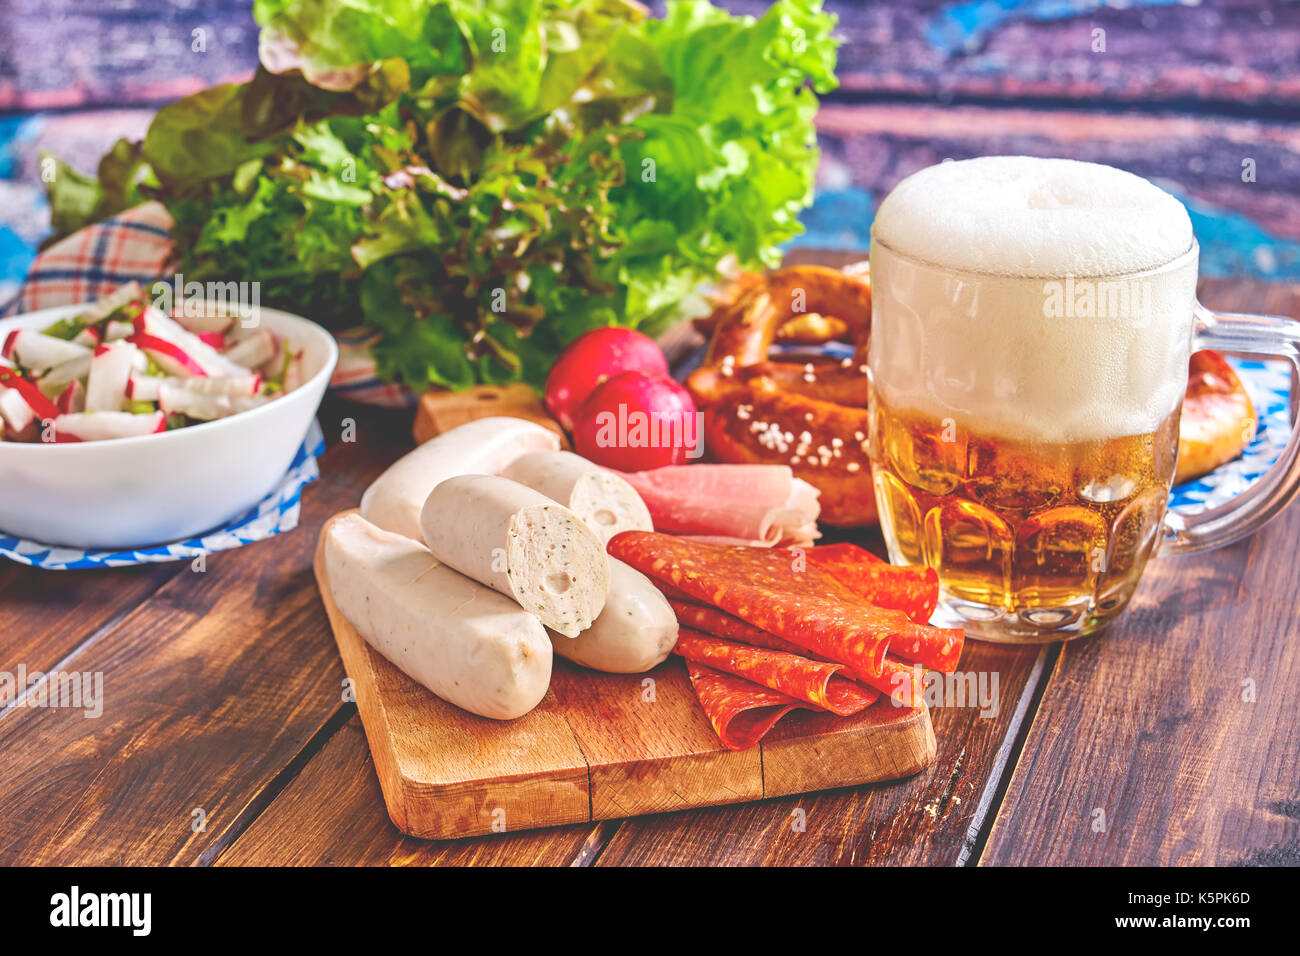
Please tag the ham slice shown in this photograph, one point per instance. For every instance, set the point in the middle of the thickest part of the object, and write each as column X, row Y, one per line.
column 757, row 505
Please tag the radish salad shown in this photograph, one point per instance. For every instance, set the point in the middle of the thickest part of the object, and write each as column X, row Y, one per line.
column 124, row 368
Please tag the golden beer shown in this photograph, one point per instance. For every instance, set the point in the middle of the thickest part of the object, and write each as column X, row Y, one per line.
column 1032, row 322
column 1031, row 536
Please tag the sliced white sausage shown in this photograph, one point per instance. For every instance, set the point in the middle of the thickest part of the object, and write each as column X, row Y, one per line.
column 635, row 632
column 606, row 502
column 481, row 447
column 521, row 543
column 637, row 629
column 469, row 645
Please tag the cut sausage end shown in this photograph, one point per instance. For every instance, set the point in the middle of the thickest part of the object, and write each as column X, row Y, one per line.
column 557, row 568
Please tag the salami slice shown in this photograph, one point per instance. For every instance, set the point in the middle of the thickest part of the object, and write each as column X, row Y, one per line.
column 763, row 587
column 912, row 590
column 898, row 679
column 938, row 648
column 815, row 682
column 741, row 712
column 673, row 593
column 844, row 697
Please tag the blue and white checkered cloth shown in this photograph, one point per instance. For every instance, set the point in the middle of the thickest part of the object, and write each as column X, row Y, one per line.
column 275, row 513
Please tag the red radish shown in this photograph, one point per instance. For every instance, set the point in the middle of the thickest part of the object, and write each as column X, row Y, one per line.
column 36, row 400
column 143, row 388
column 188, row 399
column 174, row 398
column 53, row 381
column 122, row 295
column 96, row 426
column 214, row 339
column 90, row 336
column 117, row 329
column 72, row 398
column 110, row 373
column 204, row 324
column 20, row 422
column 636, row 421
column 253, row 350
column 173, row 359
column 36, row 351
column 242, row 386
column 293, row 374
column 592, row 358
column 161, row 326
column 146, row 388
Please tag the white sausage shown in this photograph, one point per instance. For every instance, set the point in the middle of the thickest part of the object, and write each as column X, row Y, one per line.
column 606, row 502
column 637, row 629
column 484, row 446
column 522, row 544
column 635, row 632
column 467, row 644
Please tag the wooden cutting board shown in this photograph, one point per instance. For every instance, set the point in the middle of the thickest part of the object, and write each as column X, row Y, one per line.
column 599, row 746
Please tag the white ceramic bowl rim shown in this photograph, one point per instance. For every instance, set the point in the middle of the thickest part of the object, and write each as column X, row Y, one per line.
column 57, row 312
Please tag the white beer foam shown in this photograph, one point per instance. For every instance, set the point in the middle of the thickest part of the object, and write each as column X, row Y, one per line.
column 1025, row 216
column 1012, row 353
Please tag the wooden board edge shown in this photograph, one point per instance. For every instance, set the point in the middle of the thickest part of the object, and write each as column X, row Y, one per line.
column 400, row 792
column 705, row 779
column 848, row 758
column 438, row 412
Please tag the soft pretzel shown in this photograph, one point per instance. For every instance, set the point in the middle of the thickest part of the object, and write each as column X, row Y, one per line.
column 804, row 328
column 1218, row 419
column 809, row 415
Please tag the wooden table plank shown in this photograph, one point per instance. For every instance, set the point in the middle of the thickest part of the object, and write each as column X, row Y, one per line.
column 45, row 616
column 212, row 687
column 1147, row 748
column 332, row 814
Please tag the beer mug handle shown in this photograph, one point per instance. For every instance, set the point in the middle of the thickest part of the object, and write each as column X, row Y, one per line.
column 1262, row 335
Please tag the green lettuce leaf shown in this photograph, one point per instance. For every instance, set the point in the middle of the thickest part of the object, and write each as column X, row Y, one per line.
column 482, row 182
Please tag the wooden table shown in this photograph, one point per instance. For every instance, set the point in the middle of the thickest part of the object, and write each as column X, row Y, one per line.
column 226, row 738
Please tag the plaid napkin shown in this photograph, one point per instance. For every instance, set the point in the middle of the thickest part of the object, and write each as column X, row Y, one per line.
column 136, row 246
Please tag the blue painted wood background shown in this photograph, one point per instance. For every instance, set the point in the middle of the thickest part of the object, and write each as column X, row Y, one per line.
column 1184, row 93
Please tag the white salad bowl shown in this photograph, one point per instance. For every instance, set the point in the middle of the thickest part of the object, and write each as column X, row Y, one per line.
column 148, row 490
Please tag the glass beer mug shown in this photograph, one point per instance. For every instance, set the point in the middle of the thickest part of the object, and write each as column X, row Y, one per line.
column 1032, row 322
